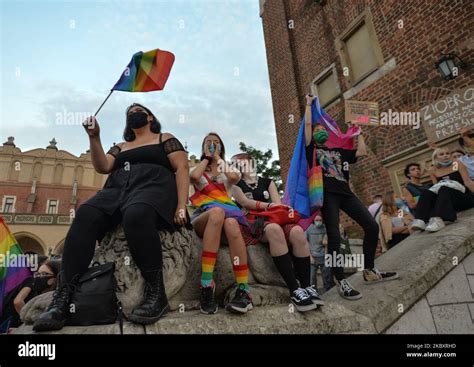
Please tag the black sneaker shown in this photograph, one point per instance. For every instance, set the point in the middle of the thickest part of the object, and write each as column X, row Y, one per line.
column 302, row 300
column 208, row 305
column 372, row 276
column 314, row 295
column 346, row 291
column 241, row 303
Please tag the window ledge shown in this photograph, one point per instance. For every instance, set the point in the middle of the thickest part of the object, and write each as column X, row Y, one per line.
column 372, row 78
column 332, row 104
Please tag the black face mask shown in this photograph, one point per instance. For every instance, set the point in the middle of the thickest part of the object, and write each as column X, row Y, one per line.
column 40, row 284
column 137, row 119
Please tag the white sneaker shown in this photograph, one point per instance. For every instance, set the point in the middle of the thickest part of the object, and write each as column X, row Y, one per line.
column 418, row 225
column 435, row 224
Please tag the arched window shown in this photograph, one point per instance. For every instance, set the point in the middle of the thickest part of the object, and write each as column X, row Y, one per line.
column 79, row 174
column 15, row 169
column 58, row 173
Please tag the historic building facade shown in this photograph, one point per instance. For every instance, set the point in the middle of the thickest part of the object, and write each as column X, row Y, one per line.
column 40, row 189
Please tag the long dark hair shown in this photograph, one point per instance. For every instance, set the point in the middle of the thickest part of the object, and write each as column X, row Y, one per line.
column 222, row 152
column 155, row 126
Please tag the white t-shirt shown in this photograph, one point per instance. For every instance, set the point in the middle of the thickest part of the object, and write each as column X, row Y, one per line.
column 374, row 207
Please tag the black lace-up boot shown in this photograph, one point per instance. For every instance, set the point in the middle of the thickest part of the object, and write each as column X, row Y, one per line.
column 155, row 303
column 58, row 310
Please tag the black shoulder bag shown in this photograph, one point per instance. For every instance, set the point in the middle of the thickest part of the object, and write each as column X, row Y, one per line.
column 94, row 301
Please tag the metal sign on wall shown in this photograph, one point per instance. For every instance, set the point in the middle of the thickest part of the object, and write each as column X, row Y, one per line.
column 448, row 115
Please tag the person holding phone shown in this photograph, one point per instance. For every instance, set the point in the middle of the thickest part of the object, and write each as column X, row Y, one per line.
column 217, row 214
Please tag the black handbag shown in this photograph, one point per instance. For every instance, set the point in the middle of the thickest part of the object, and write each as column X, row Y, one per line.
column 94, row 301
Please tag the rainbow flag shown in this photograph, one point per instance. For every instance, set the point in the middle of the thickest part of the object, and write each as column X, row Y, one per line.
column 315, row 188
column 146, row 72
column 10, row 277
column 300, row 178
column 215, row 195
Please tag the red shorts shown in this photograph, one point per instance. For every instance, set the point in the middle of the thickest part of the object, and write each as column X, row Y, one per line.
column 250, row 239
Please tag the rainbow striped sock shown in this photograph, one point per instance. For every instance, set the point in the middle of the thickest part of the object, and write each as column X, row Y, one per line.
column 208, row 263
column 241, row 273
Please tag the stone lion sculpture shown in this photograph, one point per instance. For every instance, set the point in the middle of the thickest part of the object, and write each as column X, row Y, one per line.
column 182, row 271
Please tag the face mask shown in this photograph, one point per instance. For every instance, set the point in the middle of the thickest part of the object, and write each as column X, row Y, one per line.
column 137, row 120
column 318, row 223
column 212, row 148
column 399, row 203
column 41, row 283
column 321, row 136
column 444, row 164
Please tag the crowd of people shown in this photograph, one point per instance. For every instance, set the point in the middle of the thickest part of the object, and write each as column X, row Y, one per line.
column 147, row 191
column 431, row 204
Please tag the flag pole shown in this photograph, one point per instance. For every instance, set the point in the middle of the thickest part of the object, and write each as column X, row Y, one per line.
column 105, row 100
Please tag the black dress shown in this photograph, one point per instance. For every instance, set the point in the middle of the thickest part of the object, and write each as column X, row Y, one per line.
column 141, row 175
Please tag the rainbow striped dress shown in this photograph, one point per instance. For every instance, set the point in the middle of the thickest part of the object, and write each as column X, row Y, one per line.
column 213, row 195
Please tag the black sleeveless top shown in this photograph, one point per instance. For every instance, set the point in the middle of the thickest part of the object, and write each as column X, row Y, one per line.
column 454, row 176
column 415, row 190
column 260, row 193
column 141, row 175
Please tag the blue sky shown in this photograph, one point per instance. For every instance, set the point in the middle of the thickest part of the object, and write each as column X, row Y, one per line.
column 59, row 59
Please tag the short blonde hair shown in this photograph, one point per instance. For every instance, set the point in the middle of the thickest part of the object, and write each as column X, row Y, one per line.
column 435, row 155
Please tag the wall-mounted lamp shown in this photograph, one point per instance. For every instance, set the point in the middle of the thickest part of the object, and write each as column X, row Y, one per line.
column 448, row 66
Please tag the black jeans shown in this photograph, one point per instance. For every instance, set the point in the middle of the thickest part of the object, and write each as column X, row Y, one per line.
column 445, row 204
column 354, row 208
column 396, row 239
column 140, row 223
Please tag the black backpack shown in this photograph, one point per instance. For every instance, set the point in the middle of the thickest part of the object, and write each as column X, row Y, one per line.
column 94, row 301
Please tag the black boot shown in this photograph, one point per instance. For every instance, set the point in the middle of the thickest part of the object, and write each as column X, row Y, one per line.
column 58, row 310
column 155, row 303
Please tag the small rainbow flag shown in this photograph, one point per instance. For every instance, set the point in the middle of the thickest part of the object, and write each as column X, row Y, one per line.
column 316, row 188
column 10, row 277
column 146, row 72
column 215, row 195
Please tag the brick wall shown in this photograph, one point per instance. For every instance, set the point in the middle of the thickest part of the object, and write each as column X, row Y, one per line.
column 43, row 193
column 296, row 56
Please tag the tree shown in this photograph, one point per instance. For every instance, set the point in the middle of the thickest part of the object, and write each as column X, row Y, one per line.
column 264, row 167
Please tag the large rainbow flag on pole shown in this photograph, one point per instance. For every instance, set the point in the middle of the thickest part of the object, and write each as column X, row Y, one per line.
column 297, row 189
column 146, row 72
column 10, row 276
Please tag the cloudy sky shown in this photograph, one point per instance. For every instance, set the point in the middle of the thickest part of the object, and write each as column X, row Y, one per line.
column 59, row 59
